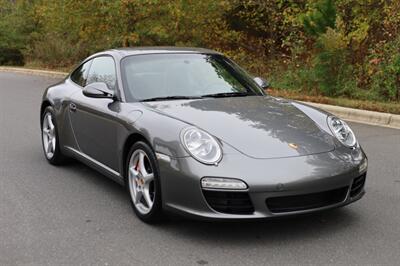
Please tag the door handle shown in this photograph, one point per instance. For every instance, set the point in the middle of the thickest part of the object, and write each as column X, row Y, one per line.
column 72, row 107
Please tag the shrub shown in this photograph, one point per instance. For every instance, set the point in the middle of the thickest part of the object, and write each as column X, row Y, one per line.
column 331, row 47
column 296, row 77
column 57, row 51
column 11, row 56
column 386, row 79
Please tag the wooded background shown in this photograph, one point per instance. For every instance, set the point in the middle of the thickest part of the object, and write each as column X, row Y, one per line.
column 346, row 48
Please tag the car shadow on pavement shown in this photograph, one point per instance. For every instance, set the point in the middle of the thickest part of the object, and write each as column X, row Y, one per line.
column 317, row 225
column 91, row 177
column 320, row 225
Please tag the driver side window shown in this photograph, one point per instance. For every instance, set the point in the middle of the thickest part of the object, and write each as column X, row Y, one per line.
column 103, row 70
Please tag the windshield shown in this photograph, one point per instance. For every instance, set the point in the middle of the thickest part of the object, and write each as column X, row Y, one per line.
column 174, row 76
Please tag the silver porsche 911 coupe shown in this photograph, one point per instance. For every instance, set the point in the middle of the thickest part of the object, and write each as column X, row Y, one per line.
column 187, row 130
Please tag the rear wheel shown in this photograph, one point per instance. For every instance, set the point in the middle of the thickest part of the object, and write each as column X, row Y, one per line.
column 143, row 183
column 50, row 139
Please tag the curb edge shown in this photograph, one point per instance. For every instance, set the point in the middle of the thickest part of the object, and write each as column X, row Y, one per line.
column 350, row 114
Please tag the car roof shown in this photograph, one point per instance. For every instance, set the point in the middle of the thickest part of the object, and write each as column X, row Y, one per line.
column 159, row 50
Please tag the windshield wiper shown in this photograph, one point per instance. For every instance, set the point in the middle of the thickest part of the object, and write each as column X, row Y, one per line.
column 180, row 97
column 170, row 98
column 226, row 94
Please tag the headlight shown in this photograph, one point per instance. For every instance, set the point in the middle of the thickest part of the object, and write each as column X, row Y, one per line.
column 201, row 145
column 342, row 131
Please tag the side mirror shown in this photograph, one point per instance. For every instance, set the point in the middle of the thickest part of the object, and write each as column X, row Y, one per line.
column 98, row 90
column 261, row 82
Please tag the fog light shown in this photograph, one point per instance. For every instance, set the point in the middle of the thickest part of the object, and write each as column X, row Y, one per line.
column 223, row 183
column 363, row 166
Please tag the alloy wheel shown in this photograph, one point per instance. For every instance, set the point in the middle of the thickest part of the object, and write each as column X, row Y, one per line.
column 141, row 182
column 49, row 136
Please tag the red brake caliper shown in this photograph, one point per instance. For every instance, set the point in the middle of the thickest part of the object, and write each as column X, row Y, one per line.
column 136, row 167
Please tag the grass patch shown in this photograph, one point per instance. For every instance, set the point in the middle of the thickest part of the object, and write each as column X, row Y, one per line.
column 385, row 107
column 39, row 66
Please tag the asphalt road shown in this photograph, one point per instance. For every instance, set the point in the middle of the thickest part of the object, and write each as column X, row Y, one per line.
column 72, row 215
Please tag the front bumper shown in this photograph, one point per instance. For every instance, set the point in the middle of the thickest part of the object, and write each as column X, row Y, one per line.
column 279, row 178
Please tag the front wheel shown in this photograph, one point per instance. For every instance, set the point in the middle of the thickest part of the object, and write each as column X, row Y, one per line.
column 143, row 183
column 50, row 139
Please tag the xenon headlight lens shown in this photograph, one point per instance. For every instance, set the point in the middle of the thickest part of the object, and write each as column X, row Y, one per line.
column 342, row 131
column 201, row 145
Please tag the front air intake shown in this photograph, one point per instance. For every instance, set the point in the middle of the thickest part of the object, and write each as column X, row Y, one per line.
column 306, row 201
column 229, row 202
column 357, row 186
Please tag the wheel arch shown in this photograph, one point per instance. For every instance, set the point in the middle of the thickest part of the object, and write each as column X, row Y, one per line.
column 43, row 106
column 131, row 140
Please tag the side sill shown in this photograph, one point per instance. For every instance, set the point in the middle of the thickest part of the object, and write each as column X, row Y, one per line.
column 96, row 165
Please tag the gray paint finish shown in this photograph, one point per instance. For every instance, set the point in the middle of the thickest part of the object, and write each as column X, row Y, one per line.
column 258, row 126
column 254, row 131
column 73, row 215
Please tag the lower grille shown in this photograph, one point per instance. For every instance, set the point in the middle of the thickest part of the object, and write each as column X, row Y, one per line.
column 307, row 201
column 229, row 202
column 357, row 186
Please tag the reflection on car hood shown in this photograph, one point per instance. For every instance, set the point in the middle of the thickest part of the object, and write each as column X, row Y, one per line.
column 258, row 126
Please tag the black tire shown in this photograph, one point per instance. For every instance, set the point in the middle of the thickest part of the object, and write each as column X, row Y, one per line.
column 58, row 158
column 156, row 213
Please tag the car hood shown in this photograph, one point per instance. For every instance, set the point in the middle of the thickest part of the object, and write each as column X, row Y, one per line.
column 257, row 126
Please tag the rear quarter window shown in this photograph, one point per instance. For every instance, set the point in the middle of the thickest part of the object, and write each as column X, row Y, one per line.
column 79, row 76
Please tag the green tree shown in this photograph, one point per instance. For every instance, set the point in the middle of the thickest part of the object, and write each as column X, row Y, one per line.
column 322, row 17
